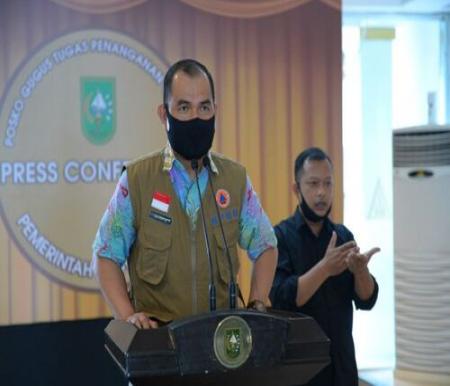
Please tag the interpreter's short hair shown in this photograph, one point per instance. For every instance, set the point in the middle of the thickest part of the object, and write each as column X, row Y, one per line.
column 311, row 154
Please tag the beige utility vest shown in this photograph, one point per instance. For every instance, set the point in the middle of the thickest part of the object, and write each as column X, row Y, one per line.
column 168, row 263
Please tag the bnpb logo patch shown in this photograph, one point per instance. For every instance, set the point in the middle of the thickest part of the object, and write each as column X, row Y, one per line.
column 223, row 198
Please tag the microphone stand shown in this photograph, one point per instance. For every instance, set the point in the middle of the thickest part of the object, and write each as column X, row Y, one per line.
column 212, row 286
column 232, row 283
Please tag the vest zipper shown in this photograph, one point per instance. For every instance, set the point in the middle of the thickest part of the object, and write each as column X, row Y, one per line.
column 194, row 270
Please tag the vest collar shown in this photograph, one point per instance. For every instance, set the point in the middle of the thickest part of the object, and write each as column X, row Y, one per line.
column 169, row 158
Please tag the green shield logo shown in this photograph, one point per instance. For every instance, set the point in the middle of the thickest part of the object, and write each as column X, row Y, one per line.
column 98, row 109
column 233, row 342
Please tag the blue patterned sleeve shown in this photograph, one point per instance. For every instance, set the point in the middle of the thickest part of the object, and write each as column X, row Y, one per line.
column 116, row 233
column 256, row 232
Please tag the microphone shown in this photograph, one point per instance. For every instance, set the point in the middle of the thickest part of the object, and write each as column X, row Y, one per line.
column 232, row 283
column 211, row 286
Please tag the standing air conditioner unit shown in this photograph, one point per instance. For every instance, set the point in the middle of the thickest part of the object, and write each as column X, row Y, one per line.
column 422, row 252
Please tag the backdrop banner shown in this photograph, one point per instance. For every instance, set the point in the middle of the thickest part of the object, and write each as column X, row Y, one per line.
column 80, row 82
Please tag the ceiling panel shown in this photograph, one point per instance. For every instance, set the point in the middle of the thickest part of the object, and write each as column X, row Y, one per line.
column 397, row 6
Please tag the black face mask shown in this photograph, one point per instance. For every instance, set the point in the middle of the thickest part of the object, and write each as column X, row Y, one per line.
column 309, row 214
column 191, row 139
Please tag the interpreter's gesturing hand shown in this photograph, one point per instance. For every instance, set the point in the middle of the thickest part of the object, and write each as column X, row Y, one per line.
column 141, row 320
column 335, row 257
column 357, row 262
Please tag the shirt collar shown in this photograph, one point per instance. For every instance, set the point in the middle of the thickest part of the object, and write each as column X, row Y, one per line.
column 298, row 218
column 169, row 158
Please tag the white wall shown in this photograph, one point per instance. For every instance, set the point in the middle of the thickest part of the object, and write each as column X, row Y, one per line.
column 386, row 85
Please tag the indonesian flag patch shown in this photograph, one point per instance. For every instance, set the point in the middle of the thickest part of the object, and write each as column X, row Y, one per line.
column 161, row 202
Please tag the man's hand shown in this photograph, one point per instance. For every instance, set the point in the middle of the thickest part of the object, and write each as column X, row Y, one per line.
column 357, row 262
column 141, row 320
column 257, row 305
column 335, row 259
column 332, row 264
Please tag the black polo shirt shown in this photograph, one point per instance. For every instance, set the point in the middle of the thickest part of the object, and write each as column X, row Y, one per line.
column 331, row 306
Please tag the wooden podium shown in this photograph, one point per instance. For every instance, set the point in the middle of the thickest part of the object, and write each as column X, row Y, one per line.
column 239, row 347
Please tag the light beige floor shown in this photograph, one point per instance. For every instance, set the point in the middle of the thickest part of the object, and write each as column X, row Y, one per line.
column 403, row 383
column 385, row 377
column 394, row 382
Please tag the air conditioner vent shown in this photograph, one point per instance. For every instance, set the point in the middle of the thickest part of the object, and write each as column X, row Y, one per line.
column 421, row 147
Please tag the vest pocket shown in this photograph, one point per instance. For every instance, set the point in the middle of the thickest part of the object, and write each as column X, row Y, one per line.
column 221, row 256
column 152, row 260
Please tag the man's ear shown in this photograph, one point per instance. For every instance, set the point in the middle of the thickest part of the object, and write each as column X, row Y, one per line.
column 162, row 114
column 295, row 188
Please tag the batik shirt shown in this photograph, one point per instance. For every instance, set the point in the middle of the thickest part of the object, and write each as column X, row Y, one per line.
column 116, row 233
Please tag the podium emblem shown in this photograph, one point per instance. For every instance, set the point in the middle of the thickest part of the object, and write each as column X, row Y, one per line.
column 232, row 342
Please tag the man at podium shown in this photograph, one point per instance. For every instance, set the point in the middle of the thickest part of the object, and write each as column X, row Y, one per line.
column 173, row 206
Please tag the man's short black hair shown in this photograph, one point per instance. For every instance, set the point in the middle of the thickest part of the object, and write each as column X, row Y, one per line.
column 189, row 66
column 311, row 154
